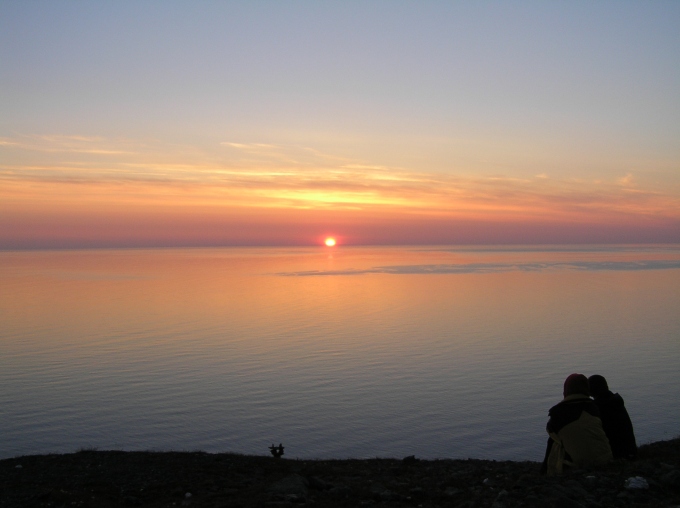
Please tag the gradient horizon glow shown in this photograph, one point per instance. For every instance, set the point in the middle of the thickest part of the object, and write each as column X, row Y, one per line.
column 376, row 123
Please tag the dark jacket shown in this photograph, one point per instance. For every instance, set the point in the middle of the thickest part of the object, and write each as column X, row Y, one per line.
column 576, row 435
column 617, row 425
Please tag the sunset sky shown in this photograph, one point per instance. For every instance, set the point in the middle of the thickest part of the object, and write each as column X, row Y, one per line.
column 167, row 123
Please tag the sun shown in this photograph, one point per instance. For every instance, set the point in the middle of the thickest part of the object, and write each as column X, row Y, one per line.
column 330, row 242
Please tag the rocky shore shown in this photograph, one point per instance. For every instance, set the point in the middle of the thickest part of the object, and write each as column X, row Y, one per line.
column 196, row 479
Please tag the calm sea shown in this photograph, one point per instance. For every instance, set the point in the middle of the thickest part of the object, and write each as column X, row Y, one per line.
column 346, row 352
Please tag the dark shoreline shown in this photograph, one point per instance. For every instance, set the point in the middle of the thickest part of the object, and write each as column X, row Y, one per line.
column 167, row 479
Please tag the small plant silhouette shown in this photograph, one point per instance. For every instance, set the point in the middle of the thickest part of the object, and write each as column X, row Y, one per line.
column 276, row 451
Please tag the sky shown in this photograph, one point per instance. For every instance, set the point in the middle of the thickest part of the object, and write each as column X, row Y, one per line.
column 175, row 123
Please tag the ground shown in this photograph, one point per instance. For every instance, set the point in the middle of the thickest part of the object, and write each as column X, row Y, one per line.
column 195, row 479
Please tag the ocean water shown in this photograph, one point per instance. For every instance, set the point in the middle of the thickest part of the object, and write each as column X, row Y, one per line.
column 438, row 352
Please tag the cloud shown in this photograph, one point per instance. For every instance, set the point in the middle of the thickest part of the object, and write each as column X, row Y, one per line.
column 249, row 146
column 281, row 176
column 672, row 248
column 626, row 181
column 66, row 144
column 440, row 269
column 276, row 154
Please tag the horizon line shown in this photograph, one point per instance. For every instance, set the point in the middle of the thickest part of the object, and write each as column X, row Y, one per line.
column 524, row 245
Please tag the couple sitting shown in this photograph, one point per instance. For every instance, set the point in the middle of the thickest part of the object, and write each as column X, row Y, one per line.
column 586, row 432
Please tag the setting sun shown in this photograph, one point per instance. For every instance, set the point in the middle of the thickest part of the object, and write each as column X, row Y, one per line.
column 330, row 242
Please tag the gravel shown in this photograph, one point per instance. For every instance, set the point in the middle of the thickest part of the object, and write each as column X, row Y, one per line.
column 196, row 479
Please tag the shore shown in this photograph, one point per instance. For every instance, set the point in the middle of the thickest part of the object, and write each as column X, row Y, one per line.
column 197, row 479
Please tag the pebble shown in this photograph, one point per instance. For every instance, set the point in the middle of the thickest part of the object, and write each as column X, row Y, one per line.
column 462, row 483
column 636, row 482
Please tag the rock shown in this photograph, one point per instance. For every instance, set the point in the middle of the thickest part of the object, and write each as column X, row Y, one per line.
column 467, row 504
column 564, row 502
column 132, row 501
column 500, row 500
column 452, row 492
column 376, row 488
column 636, row 482
column 316, row 483
column 293, row 485
column 534, row 500
column 340, row 491
column 561, row 490
column 381, row 493
column 575, row 488
column 524, row 481
column 294, row 498
column 389, row 495
column 671, row 478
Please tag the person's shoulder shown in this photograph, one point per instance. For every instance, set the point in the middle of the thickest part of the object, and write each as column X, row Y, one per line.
column 570, row 402
column 591, row 407
column 611, row 401
column 617, row 397
column 556, row 408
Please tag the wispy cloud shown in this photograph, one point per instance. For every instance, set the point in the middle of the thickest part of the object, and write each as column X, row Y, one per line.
column 440, row 269
column 268, row 175
column 251, row 147
column 66, row 144
column 627, row 180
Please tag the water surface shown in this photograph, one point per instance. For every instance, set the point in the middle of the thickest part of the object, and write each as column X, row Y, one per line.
column 345, row 352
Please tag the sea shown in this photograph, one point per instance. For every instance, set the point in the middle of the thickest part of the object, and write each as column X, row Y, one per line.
column 343, row 352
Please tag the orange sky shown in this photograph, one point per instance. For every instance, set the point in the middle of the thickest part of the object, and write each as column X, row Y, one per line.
column 259, row 123
column 117, row 195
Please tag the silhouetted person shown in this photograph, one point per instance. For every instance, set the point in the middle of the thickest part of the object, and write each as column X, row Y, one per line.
column 615, row 419
column 576, row 434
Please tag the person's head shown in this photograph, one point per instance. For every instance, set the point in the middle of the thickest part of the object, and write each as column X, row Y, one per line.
column 598, row 385
column 576, row 384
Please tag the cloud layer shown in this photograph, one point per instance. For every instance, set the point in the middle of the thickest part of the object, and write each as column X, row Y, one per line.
column 83, row 185
column 495, row 268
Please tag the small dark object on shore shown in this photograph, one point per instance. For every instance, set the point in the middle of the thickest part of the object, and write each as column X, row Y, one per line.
column 276, row 451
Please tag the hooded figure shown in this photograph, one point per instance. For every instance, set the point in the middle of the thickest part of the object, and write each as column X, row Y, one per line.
column 615, row 420
column 575, row 429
